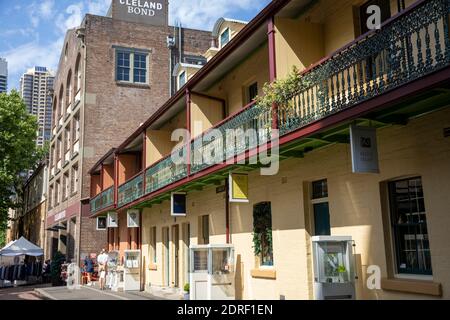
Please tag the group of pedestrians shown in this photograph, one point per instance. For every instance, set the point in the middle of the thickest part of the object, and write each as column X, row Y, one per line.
column 89, row 268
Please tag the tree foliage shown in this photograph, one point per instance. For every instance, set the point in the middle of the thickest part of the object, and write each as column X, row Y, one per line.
column 18, row 150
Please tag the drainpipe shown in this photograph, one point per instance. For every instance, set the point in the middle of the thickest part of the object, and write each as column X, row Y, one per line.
column 188, row 126
column 227, row 211
column 272, row 66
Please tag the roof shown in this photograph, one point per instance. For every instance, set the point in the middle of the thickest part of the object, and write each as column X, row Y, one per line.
column 221, row 21
column 185, row 65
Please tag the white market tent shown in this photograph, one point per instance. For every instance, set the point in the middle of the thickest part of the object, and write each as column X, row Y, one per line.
column 21, row 247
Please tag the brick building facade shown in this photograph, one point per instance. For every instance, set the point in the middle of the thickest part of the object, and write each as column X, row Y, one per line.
column 111, row 75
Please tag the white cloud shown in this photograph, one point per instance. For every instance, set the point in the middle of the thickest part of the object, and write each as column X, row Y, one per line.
column 32, row 54
column 98, row 7
column 71, row 18
column 40, row 10
column 202, row 14
column 46, row 9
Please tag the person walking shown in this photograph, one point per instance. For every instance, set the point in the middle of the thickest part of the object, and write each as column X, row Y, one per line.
column 102, row 261
column 89, row 269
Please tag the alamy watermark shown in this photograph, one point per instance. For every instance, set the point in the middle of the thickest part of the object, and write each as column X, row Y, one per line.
column 231, row 146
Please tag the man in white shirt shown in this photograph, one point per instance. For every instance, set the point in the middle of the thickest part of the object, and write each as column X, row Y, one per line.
column 102, row 261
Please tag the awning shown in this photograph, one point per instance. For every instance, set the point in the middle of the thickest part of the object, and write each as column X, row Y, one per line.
column 21, row 247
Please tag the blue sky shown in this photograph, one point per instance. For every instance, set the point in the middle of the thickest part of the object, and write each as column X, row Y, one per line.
column 32, row 31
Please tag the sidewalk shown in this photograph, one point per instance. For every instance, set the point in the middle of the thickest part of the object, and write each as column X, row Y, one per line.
column 92, row 293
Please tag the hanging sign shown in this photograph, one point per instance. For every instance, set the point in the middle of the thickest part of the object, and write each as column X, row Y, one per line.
column 101, row 223
column 364, row 149
column 238, row 187
column 133, row 218
column 178, row 204
column 112, row 220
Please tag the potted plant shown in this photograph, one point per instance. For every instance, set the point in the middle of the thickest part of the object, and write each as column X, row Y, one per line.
column 186, row 291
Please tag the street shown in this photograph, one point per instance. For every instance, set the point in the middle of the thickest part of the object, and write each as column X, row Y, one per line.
column 22, row 293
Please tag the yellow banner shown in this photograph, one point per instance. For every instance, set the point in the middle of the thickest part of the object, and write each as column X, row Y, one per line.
column 239, row 187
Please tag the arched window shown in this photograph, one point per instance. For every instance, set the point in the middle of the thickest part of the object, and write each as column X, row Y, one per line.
column 69, row 88
column 77, row 78
column 55, row 111
column 61, row 102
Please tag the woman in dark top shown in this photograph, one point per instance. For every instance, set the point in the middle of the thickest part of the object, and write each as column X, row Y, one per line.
column 89, row 268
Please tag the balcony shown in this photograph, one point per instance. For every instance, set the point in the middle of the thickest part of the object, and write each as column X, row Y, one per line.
column 103, row 200
column 408, row 47
column 131, row 190
column 243, row 131
column 166, row 171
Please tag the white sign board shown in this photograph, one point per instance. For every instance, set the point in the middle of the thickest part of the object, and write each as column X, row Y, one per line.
column 133, row 218
column 112, row 220
column 364, row 149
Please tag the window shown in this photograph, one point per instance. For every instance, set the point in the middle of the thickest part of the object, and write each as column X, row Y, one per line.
column 69, row 88
column 409, row 227
column 131, row 66
column 153, row 245
column 252, row 92
column 57, row 193
column 77, row 75
column 204, row 230
column 101, row 223
column 123, row 66
column 50, row 197
column 74, row 179
column 65, row 189
column 140, row 68
column 224, row 37
column 182, row 79
column 262, row 233
column 67, row 143
column 76, row 127
column 321, row 208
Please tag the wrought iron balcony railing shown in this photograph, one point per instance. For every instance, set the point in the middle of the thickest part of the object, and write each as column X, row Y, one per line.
column 245, row 130
column 407, row 47
column 103, row 200
column 131, row 190
column 166, row 171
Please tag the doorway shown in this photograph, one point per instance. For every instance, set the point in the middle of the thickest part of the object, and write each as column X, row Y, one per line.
column 176, row 255
column 166, row 268
column 186, row 245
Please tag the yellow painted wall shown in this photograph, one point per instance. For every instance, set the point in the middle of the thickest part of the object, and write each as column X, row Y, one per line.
column 418, row 149
column 319, row 32
column 158, row 142
column 205, row 113
column 159, row 145
column 297, row 43
column 235, row 28
column 231, row 87
column 205, row 202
